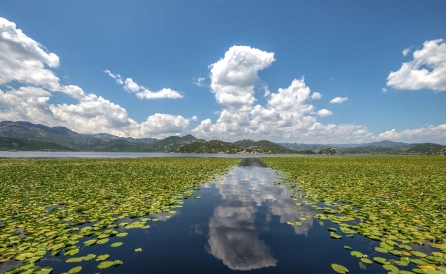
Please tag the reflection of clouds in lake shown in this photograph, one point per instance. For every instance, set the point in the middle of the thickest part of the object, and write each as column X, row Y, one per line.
column 197, row 229
column 285, row 207
column 233, row 237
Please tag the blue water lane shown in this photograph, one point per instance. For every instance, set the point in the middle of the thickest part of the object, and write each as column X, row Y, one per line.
column 249, row 201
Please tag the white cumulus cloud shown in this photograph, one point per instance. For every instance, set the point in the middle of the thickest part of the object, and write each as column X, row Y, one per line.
column 427, row 70
column 24, row 60
column 234, row 77
column 384, row 90
column 28, row 65
column 434, row 134
column 338, row 100
column 316, row 96
column 324, row 112
column 142, row 92
column 286, row 116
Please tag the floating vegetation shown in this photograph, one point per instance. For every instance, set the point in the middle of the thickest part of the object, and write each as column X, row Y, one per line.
column 339, row 268
column 399, row 202
column 52, row 207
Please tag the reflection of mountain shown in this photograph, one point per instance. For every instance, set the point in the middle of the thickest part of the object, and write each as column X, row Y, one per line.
column 248, row 193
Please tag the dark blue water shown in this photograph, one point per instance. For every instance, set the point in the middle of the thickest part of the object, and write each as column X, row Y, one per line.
column 239, row 224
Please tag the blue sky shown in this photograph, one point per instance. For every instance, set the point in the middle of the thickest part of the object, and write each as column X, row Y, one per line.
column 228, row 70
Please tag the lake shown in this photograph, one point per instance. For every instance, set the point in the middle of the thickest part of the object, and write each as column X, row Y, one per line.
column 238, row 224
column 52, row 154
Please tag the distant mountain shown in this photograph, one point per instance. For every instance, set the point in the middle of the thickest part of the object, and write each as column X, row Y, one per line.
column 428, row 149
column 388, row 144
column 174, row 142
column 381, row 147
column 30, row 145
column 41, row 133
column 305, row 147
column 82, row 142
column 239, row 147
column 106, row 136
column 17, row 136
column 213, row 146
column 263, row 146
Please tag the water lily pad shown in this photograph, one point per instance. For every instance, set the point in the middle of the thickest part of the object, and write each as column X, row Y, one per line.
column 116, row 244
column 90, row 242
column 138, row 249
column 390, row 268
column 102, row 241
column 418, row 254
column 339, row 268
column 71, row 252
column 102, row 257
column 105, row 264
column 335, row 236
column 76, row 269
column 117, row 262
column 366, row 260
column 382, row 250
column 380, row 260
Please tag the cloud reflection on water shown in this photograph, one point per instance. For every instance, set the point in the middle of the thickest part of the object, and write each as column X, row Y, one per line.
column 249, row 198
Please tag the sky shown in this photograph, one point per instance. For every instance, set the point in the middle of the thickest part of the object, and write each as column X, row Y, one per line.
column 286, row 71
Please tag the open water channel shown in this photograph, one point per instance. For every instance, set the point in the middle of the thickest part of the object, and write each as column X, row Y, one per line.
column 239, row 224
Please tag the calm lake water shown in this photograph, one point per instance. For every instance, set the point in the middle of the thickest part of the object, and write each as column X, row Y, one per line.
column 239, row 224
column 51, row 154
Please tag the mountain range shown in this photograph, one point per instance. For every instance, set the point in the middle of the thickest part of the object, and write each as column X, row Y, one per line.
column 22, row 135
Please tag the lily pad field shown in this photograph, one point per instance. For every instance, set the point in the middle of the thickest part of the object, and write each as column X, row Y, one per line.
column 57, row 207
column 399, row 202
column 385, row 214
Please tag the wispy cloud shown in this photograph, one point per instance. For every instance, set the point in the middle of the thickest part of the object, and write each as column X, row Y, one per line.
column 141, row 91
column 199, row 81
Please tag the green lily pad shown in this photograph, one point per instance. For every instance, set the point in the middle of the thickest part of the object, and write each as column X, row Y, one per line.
column 366, row 260
column 419, row 254
column 102, row 241
column 116, row 244
column 105, row 264
column 90, row 242
column 382, row 250
column 117, row 262
column 390, row 268
column 71, row 252
column 380, row 260
column 76, row 269
column 335, row 236
column 339, row 268
column 138, row 249
column 102, row 257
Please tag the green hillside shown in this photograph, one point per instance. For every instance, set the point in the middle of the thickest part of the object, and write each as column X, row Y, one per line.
column 428, row 149
column 30, row 145
column 263, row 146
column 213, row 146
